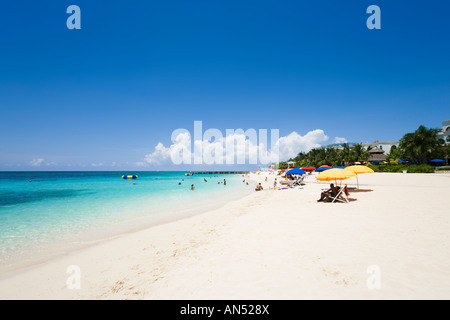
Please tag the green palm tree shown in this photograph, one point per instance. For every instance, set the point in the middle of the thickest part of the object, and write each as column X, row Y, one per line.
column 420, row 144
column 346, row 155
column 359, row 153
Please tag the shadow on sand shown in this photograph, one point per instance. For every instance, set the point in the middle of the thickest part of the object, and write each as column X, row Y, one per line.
column 359, row 190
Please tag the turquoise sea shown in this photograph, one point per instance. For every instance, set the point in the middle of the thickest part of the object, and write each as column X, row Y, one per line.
column 45, row 213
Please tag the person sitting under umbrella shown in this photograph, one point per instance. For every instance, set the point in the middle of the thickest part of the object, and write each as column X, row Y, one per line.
column 326, row 195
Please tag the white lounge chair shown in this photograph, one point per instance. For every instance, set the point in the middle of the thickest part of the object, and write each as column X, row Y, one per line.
column 298, row 181
column 340, row 197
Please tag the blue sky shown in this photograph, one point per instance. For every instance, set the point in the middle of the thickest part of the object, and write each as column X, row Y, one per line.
column 137, row 70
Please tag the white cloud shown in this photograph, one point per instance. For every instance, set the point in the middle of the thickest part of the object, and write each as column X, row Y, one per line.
column 245, row 150
column 293, row 143
column 160, row 155
column 97, row 164
column 181, row 145
column 340, row 140
column 36, row 162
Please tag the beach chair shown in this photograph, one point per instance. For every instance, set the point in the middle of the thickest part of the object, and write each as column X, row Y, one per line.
column 301, row 180
column 340, row 197
column 298, row 182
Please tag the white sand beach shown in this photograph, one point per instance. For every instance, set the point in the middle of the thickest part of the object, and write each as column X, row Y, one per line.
column 273, row 244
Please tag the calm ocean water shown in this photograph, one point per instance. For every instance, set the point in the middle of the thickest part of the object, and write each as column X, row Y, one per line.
column 39, row 211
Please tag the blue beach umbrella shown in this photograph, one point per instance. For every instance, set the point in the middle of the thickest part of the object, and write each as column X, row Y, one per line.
column 338, row 167
column 437, row 160
column 296, row 171
column 322, row 169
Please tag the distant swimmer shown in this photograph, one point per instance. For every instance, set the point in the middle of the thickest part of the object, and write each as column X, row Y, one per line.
column 179, row 183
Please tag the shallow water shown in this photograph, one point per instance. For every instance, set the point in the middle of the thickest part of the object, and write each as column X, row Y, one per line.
column 40, row 211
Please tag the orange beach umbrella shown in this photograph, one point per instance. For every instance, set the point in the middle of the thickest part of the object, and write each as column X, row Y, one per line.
column 358, row 170
column 335, row 174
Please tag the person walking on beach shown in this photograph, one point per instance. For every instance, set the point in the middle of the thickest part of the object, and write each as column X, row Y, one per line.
column 275, row 183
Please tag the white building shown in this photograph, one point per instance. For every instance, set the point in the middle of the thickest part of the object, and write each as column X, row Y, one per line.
column 444, row 136
column 385, row 146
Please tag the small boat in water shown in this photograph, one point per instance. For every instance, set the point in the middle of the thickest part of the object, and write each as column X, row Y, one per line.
column 129, row 177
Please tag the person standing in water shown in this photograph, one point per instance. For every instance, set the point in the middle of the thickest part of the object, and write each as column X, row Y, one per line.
column 224, row 182
column 192, row 187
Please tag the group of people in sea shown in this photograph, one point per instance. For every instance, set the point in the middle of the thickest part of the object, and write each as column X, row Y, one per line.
column 224, row 182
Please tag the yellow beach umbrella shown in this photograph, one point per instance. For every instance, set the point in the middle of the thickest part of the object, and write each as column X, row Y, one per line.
column 358, row 170
column 335, row 174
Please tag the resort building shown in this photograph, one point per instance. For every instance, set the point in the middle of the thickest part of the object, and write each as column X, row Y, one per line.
column 386, row 147
column 444, row 136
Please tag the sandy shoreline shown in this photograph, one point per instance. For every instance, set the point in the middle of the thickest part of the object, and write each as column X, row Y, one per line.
column 26, row 259
column 273, row 245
